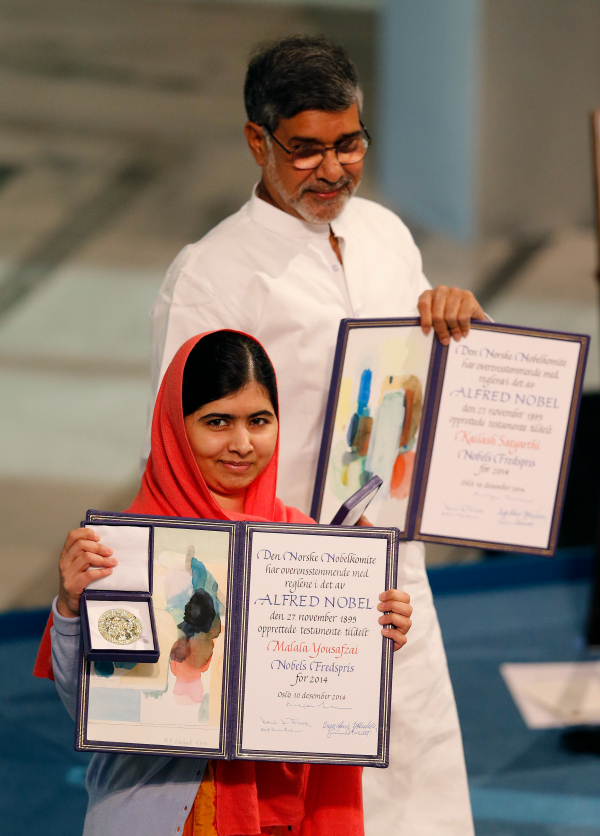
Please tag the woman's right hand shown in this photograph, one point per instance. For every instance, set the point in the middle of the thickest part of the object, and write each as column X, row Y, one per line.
column 83, row 560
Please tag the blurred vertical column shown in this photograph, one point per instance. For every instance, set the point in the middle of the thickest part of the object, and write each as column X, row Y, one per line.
column 484, row 106
column 429, row 111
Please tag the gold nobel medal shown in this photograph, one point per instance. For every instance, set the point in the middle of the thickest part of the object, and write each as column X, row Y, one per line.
column 119, row 626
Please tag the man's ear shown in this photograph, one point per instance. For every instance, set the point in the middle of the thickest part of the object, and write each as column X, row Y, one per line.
column 256, row 141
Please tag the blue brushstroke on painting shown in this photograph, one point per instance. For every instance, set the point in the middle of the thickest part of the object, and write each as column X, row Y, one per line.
column 362, row 408
column 203, row 579
column 105, row 669
column 364, row 392
column 176, row 603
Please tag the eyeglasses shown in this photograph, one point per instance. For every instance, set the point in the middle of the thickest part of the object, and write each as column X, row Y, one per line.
column 348, row 151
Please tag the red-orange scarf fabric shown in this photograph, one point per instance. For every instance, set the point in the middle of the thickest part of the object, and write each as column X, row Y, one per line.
column 251, row 795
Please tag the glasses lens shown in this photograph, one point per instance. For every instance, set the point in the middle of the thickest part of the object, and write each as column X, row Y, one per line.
column 352, row 151
column 308, row 156
column 348, row 152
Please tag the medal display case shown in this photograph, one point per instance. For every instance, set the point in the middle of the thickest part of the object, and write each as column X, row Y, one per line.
column 355, row 506
column 117, row 614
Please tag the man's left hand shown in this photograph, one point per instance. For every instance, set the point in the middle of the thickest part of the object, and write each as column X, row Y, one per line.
column 450, row 311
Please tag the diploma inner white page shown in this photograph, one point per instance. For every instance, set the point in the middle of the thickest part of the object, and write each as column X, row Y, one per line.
column 499, row 438
column 314, row 647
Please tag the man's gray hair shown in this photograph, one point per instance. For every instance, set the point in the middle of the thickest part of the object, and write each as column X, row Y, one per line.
column 299, row 73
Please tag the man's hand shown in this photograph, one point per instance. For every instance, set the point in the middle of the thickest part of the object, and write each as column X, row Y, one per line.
column 450, row 311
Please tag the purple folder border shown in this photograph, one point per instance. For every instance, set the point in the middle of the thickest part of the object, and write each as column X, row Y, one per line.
column 381, row 759
column 371, row 489
column 426, row 432
column 346, row 326
column 440, row 358
column 82, row 743
column 231, row 731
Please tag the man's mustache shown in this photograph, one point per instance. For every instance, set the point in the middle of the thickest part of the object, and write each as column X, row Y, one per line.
column 328, row 187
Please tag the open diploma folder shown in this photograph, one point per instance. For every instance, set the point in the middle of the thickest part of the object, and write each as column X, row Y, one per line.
column 270, row 646
column 472, row 441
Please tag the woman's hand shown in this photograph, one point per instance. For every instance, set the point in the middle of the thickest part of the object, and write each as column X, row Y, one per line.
column 397, row 611
column 396, row 607
column 82, row 560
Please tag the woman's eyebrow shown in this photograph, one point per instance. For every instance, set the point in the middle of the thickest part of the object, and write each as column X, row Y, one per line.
column 230, row 417
column 217, row 415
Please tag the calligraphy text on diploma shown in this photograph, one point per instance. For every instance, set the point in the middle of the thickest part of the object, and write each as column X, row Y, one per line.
column 314, row 647
column 499, row 438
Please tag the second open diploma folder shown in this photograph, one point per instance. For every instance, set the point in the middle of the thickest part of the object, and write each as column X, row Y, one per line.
column 472, row 441
column 270, row 646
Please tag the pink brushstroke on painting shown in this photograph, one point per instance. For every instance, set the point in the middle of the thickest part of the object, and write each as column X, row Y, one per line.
column 192, row 652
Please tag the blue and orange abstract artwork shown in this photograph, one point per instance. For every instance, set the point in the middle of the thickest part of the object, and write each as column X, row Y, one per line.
column 377, row 419
column 181, row 693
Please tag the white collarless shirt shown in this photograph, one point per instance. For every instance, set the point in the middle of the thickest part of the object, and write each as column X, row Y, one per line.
column 277, row 278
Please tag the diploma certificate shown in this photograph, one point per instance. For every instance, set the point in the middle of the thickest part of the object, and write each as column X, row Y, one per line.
column 502, row 430
column 270, row 646
column 311, row 639
column 472, row 441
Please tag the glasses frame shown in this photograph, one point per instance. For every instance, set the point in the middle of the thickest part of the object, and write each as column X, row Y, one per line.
column 326, row 148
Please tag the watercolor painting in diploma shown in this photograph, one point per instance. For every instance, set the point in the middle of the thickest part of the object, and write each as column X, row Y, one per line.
column 376, row 421
column 176, row 700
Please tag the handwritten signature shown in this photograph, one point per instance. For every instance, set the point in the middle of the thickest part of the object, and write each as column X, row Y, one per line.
column 464, row 511
column 318, row 705
column 518, row 516
column 284, row 724
column 358, row 728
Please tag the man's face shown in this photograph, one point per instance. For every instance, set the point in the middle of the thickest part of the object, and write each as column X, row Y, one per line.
column 316, row 195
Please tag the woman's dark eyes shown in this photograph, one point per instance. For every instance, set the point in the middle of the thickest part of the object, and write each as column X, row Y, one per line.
column 222, row 422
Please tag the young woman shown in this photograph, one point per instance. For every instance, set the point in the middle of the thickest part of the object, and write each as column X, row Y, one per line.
column 214, row 456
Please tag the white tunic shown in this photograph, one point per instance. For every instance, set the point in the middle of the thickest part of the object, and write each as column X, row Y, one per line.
column 277, row 278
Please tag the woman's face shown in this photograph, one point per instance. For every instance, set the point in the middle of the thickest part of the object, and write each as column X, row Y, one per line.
column 232, row 440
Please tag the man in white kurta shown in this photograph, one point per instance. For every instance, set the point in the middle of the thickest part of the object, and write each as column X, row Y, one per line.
column 288, row 281
column 276, row 277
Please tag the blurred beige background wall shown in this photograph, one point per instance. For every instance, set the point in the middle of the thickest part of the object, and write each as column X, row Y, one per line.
column 121, row 141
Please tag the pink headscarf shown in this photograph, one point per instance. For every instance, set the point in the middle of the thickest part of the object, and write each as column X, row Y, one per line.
column 319, row 800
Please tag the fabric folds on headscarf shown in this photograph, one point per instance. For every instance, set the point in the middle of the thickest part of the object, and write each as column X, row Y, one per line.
column 173, row 486
column 251, row 795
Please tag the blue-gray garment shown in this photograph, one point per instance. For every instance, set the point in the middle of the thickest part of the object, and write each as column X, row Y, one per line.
column 129, row 795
